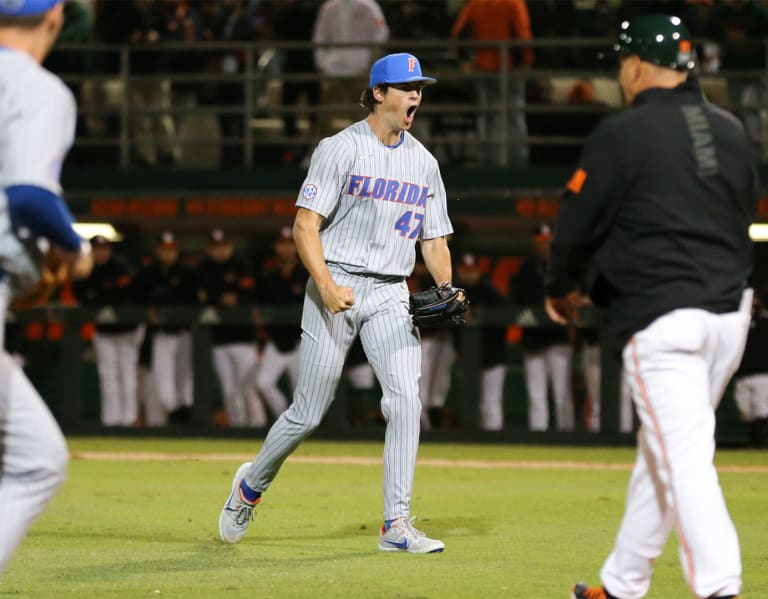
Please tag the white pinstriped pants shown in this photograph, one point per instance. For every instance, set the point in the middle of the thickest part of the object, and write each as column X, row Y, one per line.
column 391, row 342
column 33, row 453
column 678, row 368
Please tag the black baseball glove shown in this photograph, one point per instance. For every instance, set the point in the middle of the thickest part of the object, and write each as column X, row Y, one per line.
column 439, row 305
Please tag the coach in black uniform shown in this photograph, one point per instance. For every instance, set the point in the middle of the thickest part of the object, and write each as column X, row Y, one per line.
column 660, row 206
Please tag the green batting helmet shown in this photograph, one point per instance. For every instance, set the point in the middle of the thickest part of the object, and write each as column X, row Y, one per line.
column 660, row 39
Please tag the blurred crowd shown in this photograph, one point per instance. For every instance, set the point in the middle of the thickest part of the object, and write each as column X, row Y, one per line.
column 313, row 91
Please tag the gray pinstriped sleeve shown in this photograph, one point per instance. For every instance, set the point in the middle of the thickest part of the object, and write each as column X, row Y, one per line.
column 436, row 220
column 327, row 174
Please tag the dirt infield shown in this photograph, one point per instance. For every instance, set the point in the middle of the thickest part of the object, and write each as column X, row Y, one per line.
column 118, row 456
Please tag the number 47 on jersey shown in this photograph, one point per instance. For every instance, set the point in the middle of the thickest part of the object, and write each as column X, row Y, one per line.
column 410, row 222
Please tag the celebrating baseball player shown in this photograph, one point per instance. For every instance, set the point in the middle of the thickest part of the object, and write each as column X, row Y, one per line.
column 659, row 208
column 37, row 118
column 372, row 191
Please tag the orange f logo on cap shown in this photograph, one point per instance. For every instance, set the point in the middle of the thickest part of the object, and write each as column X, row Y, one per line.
column 411, row 64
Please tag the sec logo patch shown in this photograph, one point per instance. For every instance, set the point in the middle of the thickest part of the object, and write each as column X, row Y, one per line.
column 309, row 192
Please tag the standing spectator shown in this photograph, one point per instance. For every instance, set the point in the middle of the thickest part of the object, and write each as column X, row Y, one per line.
column 162, row 283
column 740, row 27
column 499, row 20
column 294, row 22
column 547, row 351
column 493, row 358
column 344, row 21
column 116, row 344
column 751, row 379
column 224, row 281
column 233, row 22
column 283, row 285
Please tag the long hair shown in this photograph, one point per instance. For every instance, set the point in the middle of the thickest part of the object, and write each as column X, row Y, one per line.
column 367, row 100
column 23, row 22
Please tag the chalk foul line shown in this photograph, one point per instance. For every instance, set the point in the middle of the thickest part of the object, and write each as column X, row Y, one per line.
column 120, row 456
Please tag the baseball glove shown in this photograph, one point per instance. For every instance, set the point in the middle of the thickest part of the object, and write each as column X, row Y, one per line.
column 53, row 273
column 439, row 305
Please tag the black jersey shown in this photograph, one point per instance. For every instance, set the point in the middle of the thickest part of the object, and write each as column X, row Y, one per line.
column 659, row 208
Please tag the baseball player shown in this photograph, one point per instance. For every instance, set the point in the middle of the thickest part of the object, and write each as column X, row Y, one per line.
column 37, row 120
column 547, row 351
column 168, row 282
column 116, row 345
column 658, row 213
column 372, row 191
column 493, row 356
column 283, row 285
column 750, row 389
column 224, row 280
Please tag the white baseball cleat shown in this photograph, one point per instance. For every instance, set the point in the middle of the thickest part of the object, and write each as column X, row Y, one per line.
column 237, row 513
column 402, row 536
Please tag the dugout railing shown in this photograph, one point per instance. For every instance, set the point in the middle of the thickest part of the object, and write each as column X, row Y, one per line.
column 178, row 104
column 64, row 381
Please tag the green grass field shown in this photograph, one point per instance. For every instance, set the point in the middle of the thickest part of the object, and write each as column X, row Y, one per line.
column 144, row 524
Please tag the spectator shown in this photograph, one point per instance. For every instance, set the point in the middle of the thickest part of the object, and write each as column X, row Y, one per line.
column 225, row 281
column 575, row 121
column 283, row 286
column 345, row 69
column 493, row 357
column 233, row 22
column 116, row 344
column 751, row 379
column 166, row 282
column 152, row 127
column 547, row 351
column 740, row 27
column 499, row 20
column 295, row 21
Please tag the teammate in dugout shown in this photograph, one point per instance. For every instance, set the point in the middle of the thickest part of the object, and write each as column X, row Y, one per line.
column 660, row 205
column 372, row 191
column 37, row 118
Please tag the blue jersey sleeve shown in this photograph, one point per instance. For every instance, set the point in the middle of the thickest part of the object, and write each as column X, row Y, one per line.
column 44, row 213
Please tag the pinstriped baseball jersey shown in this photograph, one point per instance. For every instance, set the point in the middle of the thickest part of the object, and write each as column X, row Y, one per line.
column 377, row 200
column 37, row 118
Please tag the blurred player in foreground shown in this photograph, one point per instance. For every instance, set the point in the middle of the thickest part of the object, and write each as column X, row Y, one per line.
column 37, row 120
column 372, row 191
column 660, row 207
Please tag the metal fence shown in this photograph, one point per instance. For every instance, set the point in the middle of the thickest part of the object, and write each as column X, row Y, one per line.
column 223, row 104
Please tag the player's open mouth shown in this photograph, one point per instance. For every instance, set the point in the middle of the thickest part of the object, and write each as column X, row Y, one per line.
column 410, row 112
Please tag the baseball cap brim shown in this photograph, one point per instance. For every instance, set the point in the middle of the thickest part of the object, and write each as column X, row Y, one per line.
column 425, row 80
column 26, row 8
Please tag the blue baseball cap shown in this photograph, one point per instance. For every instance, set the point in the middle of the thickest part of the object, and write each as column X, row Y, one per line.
column 26, row 8
column 397, row 68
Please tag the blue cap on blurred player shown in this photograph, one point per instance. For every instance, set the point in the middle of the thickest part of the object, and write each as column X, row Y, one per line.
column 397, row 68
column 26, row 8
